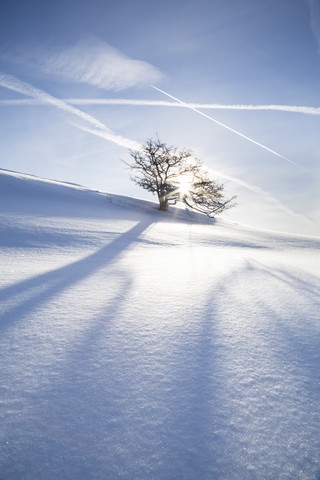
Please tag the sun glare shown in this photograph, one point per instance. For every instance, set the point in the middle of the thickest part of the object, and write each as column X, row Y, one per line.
column 185, row 183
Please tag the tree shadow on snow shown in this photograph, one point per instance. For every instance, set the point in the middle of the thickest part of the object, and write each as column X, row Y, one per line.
column 69, row 400
column 38, row 290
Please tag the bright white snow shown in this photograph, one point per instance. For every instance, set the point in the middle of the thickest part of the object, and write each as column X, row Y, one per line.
column 137, row 344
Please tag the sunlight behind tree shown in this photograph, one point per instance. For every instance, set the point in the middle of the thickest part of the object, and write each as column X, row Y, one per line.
column 177, row 176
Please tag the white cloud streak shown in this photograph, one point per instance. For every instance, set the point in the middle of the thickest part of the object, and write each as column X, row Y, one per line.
column 91, row 124
column 163, row 103
column 95, row 127
column 89, row 61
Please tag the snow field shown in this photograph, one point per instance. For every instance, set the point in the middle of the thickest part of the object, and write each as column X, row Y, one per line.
column 136, row 345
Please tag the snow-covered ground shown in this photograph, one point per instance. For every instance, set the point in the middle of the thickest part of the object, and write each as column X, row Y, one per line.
column 137, row 344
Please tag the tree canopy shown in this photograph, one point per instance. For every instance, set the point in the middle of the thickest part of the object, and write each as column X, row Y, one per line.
column 177, row 176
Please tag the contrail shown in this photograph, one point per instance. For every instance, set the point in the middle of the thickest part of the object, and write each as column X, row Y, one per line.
column 95, row 127
column 99, row 129
column 231, row 129
column 162, row 103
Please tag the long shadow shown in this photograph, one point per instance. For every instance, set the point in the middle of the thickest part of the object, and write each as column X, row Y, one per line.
column 195, row 443
column 79, row 403
column 77, row 380
column 299, row 327
column 309, row 287
column 206, row 416
column 280, row 349
column 43, row 287
column 67, row 409
column 192, row 416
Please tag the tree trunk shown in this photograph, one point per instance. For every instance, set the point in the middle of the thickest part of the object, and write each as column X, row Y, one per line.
column 163, row 202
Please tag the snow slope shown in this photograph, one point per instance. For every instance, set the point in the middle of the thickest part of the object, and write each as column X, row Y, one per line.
column 137, row 344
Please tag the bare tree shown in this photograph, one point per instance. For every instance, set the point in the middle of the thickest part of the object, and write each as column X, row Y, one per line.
column 206, row 196
column 177, row 176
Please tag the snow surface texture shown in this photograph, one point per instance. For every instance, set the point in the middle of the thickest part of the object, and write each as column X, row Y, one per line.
column 137, row 344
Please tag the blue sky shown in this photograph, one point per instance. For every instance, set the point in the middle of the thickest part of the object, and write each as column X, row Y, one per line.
column 75, row 93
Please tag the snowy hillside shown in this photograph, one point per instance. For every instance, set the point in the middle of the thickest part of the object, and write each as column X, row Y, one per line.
column 137, row 344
